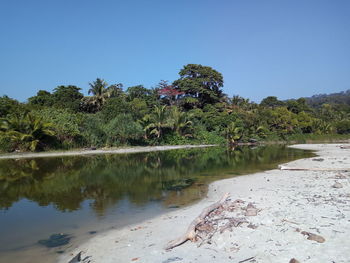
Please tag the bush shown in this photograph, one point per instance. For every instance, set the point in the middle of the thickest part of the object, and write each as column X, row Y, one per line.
column 65, row 124
column 175, row 139
column 123, row 130
column 92, row 130
column 113, row 108
column 343, row 127
column 6, row 145
column 205, row 137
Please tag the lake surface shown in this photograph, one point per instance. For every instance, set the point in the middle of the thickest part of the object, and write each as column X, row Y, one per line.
column 84, row 195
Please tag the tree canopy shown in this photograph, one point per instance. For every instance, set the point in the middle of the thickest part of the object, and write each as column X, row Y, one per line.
column 202, row 83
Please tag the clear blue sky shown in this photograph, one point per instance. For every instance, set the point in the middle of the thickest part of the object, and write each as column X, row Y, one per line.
column 283, row 48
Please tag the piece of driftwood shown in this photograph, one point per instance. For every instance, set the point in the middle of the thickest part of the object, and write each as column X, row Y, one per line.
column 314, row 237
column 245, row 260
column 345, row 147
column 191, row 230
column 282, row 167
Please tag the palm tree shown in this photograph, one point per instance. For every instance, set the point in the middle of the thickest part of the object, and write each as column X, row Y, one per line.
column 158, row 121
column 322, row 127
column 101, row 92
column 179, row 121
column 234, row 133
column 26, row 131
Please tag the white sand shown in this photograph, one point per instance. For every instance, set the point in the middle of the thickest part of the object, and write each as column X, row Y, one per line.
column 287, row 199
column 137, row 149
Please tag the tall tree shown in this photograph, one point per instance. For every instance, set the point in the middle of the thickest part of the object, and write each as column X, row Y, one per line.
column 271, row 102
column 42, row 98
column 101, row 92
column 67, row 97
column 201, row 83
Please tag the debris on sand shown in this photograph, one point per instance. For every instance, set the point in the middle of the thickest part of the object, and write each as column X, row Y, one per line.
column 314, row 237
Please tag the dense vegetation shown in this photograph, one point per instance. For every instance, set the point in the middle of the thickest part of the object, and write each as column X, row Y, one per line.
column 192, row 109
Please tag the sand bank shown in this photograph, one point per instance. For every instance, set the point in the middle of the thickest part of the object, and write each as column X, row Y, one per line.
column 289, row 202
column 138, row 149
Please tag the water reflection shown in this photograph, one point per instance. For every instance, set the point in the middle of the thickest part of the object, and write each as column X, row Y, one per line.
column 105, row 179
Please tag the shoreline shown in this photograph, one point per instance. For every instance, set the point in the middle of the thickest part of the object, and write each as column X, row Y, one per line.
column 287, row 201
column 126, row 150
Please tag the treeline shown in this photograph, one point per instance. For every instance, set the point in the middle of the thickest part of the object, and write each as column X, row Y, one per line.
column 341, row 99
column 193, row 109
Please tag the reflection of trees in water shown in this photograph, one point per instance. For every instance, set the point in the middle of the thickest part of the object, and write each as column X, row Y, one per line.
column 105, row 179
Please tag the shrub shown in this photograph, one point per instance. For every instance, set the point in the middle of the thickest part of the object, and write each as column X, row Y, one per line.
column 65, row 124
column 92, row 130
column 123, row 130
column 343, row 127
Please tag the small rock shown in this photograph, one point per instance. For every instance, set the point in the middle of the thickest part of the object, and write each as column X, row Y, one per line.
column 340, row 176
column 252, row 226
column 169, row 260
column 293, row 260
column 337, row 185
column 76, row 259
column 251, row 210
column 318, row 159
column 173, row 206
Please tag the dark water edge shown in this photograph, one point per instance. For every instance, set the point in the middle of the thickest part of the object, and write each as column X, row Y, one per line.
column 85, row 195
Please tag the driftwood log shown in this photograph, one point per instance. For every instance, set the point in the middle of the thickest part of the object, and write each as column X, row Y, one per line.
column 191, row 230
column 282, row 167
column 345, row 147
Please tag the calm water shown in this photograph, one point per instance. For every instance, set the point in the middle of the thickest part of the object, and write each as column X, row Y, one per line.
column 85, row 195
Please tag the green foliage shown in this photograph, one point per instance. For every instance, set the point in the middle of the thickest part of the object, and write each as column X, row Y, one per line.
column 271, row 102
column 234, row 132
column 65, row 123
column 297, row 106
column 201, row 83
column 43, row 98
column 138, row 108
column 92, row 130
column 114, row 107
column 25, row 132
column 343, row 127
column 206, row 137
column 157, row 122
column 180, row 122
column 149, row 96
column 10, row 106
column 101, row 92
column 123, row 130
column 175, row 139
column 67, row 97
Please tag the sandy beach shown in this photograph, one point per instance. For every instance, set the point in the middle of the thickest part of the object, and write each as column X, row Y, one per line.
column 136, row 149
column 300, row 214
